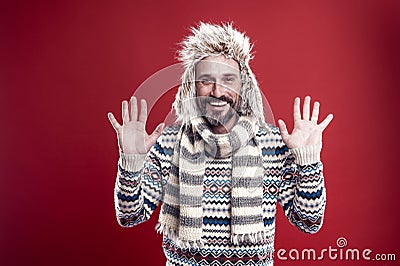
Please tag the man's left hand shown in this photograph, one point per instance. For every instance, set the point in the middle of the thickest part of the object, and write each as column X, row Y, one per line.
column 306, row 131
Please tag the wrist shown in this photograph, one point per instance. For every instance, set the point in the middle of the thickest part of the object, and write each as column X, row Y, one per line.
column 307, row 154
column 132, row 162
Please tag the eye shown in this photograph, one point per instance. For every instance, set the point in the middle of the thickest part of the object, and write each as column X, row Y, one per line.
column 206, row 81
column 229, row 79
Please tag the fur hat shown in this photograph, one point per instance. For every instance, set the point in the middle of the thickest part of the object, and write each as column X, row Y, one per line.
column 212, row 40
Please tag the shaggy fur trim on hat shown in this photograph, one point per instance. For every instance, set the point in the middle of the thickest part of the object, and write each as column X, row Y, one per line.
column 212, row 40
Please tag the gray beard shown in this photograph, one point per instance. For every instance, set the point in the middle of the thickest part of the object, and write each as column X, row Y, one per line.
column 217, row 119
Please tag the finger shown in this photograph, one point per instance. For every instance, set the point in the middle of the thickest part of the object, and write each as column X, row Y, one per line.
column 158, row 129
column 114, row 122
column 296, row 109
column 134, row 109
column 143, row 111
column 326, row 121
column 125, row 113
column 315, row 112
column 306, row 108
column 283, row 128
column 156, row 133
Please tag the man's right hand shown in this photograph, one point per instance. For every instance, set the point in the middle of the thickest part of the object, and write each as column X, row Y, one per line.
column 132, row 135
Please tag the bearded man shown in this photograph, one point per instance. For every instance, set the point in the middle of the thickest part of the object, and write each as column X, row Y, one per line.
column 220, row 170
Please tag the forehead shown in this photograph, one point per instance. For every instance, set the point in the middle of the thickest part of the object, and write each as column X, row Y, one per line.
column 216, row 65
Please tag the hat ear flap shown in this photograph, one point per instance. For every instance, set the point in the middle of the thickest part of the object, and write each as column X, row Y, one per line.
column 251, row 99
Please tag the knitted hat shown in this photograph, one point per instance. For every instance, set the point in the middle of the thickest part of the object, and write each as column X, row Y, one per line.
column 212, row 40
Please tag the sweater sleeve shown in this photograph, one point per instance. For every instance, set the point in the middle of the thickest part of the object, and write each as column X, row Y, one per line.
column 139, row 185
column 302, row 190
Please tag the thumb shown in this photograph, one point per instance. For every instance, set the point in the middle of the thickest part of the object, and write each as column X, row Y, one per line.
column 156, row 133
column 283, row 129
column 114, row 122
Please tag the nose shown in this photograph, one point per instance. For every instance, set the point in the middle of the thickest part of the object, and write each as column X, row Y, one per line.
column 218, row 90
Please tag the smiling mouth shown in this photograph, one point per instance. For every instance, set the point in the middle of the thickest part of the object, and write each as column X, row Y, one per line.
column 217, row 103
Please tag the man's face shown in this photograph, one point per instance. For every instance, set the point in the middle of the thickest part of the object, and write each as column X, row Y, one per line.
column 218, row 86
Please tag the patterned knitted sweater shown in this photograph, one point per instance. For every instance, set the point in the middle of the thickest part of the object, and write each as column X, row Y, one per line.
column 292, row 177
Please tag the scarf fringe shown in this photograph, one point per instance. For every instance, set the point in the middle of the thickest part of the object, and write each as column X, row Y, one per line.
column 255, row 238
column 236, row 239
column 171, row 234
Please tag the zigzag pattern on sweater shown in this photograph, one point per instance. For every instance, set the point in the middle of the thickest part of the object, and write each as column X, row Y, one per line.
column 298, row 189
column 217, row 255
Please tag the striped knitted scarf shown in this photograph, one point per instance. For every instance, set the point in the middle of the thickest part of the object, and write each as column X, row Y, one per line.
column 181, row 215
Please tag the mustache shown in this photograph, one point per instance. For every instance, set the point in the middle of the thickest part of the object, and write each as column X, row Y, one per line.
column 222, row 98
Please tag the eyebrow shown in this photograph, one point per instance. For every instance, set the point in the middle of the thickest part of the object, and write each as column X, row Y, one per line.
column 224, row 75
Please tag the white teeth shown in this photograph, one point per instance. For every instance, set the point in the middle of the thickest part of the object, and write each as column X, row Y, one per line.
column 218, row 103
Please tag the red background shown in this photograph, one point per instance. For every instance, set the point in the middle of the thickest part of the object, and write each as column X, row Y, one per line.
column 64, row 65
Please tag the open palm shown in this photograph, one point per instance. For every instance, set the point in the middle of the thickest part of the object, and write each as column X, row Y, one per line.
column 306, row 131
column 132, row 135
